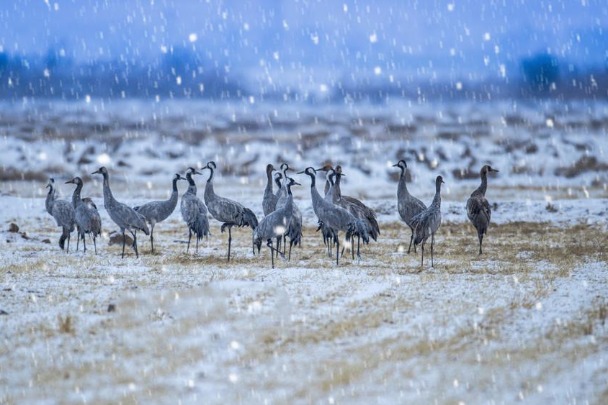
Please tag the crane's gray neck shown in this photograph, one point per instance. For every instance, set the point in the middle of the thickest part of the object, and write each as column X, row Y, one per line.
column 437, row 198
column 269, row 186
column 211, row 175
column 313, row 181
column 402, row 186
column 191, row 184
column 76, row 195
column 175, row 185
column 108, row 198
column 50, row 199
column 481, row 190
column 337, row 190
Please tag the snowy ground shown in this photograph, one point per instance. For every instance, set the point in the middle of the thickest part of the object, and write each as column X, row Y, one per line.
column 524, row 322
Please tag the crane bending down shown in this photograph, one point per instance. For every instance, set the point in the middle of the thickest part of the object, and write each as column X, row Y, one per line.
column 276, row 224
column 158, row 211
column 86, row 215
column 229, row 212
column 194, row 211
column 63, row 212
column 478, row 207
column 336, row 218
column 407, row 205
column 428, row 221
column 124, row 216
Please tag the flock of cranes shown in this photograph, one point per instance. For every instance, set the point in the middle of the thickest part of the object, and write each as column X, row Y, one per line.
column 282, row 218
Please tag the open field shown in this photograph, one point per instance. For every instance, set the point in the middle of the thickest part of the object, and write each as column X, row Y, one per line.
column 525, row 321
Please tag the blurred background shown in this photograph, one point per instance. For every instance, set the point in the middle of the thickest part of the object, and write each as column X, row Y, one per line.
column 303, row 50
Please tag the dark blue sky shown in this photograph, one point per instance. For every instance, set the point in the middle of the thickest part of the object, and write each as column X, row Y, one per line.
column 316, row 40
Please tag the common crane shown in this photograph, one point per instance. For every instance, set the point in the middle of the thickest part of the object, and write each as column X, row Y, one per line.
column 63, row 212
column 157, row 211
column 86, row 215
column 478, row 207
column 229, row 212
column 124, row 216
column 407, row 205
column 194, row 211
column 428, row 221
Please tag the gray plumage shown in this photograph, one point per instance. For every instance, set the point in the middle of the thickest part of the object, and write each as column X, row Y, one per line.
column 336, row 218
column 63, row 212
column 428, row 221
column 478, row 207
column 88, row 220
column 366, row 215
column 294, row 233
column 157, row 211
column 227, row 211
column 269, row 202
column 407, row 205
column 276, row 224
column 194, row 211
column 124, row 216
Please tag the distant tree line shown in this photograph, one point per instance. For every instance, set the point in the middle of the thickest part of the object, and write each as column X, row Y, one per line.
column 181, row 73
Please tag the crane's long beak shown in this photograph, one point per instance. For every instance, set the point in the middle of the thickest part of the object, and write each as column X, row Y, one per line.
column 95, row 172
column 69, row 181
column 295, row 183
column 302, row 172
column 495, row 170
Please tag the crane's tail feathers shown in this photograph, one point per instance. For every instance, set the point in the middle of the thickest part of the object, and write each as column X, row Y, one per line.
column 249, row 219
column 200, row 227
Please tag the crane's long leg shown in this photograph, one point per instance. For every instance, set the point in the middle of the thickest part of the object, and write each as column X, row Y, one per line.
column 189, row 239
column 480, row 240
column 123, row 243
column 422, row 260
column 432, row 243
column 84, row 243
column 269, row 244
column 135, row 243
column 358, row 246
column 95, row 244
column 68, row 249
column 337, row 249
column 152, row 237
column 411, row 240
column 229, row 240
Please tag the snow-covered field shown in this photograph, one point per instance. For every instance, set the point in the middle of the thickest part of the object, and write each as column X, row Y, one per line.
column 524, row 322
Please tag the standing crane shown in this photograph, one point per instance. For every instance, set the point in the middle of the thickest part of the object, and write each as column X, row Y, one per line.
column 407, row 205
column 63, row 212
column 478, row 207
column 334, row 217
column 269, row 202
column 361, row 211
column 158, row 211
column 229, row 212
column 86, row 215
column 428, row 221
column 124, row 216
column 276, row 224
column 194, row 211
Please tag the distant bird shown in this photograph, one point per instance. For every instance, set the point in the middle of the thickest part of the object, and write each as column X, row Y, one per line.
column 63, row 212
column 158, row 211
column 86, row 215
column 407, row 205
column 428, row 221
column 478, row 208
column 355, row 207
column 336, row 218
column 124, row 216
column 276, row 224
column 227, row 211
column 194, row 211
column 269, row 202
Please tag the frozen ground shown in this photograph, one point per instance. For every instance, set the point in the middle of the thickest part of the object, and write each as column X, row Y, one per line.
column 524, row 322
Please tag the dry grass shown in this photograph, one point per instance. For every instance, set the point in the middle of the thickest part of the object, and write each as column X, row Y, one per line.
column 337, row 339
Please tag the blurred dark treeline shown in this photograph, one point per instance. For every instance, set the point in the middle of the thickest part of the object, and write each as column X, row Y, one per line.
column 181, row 73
